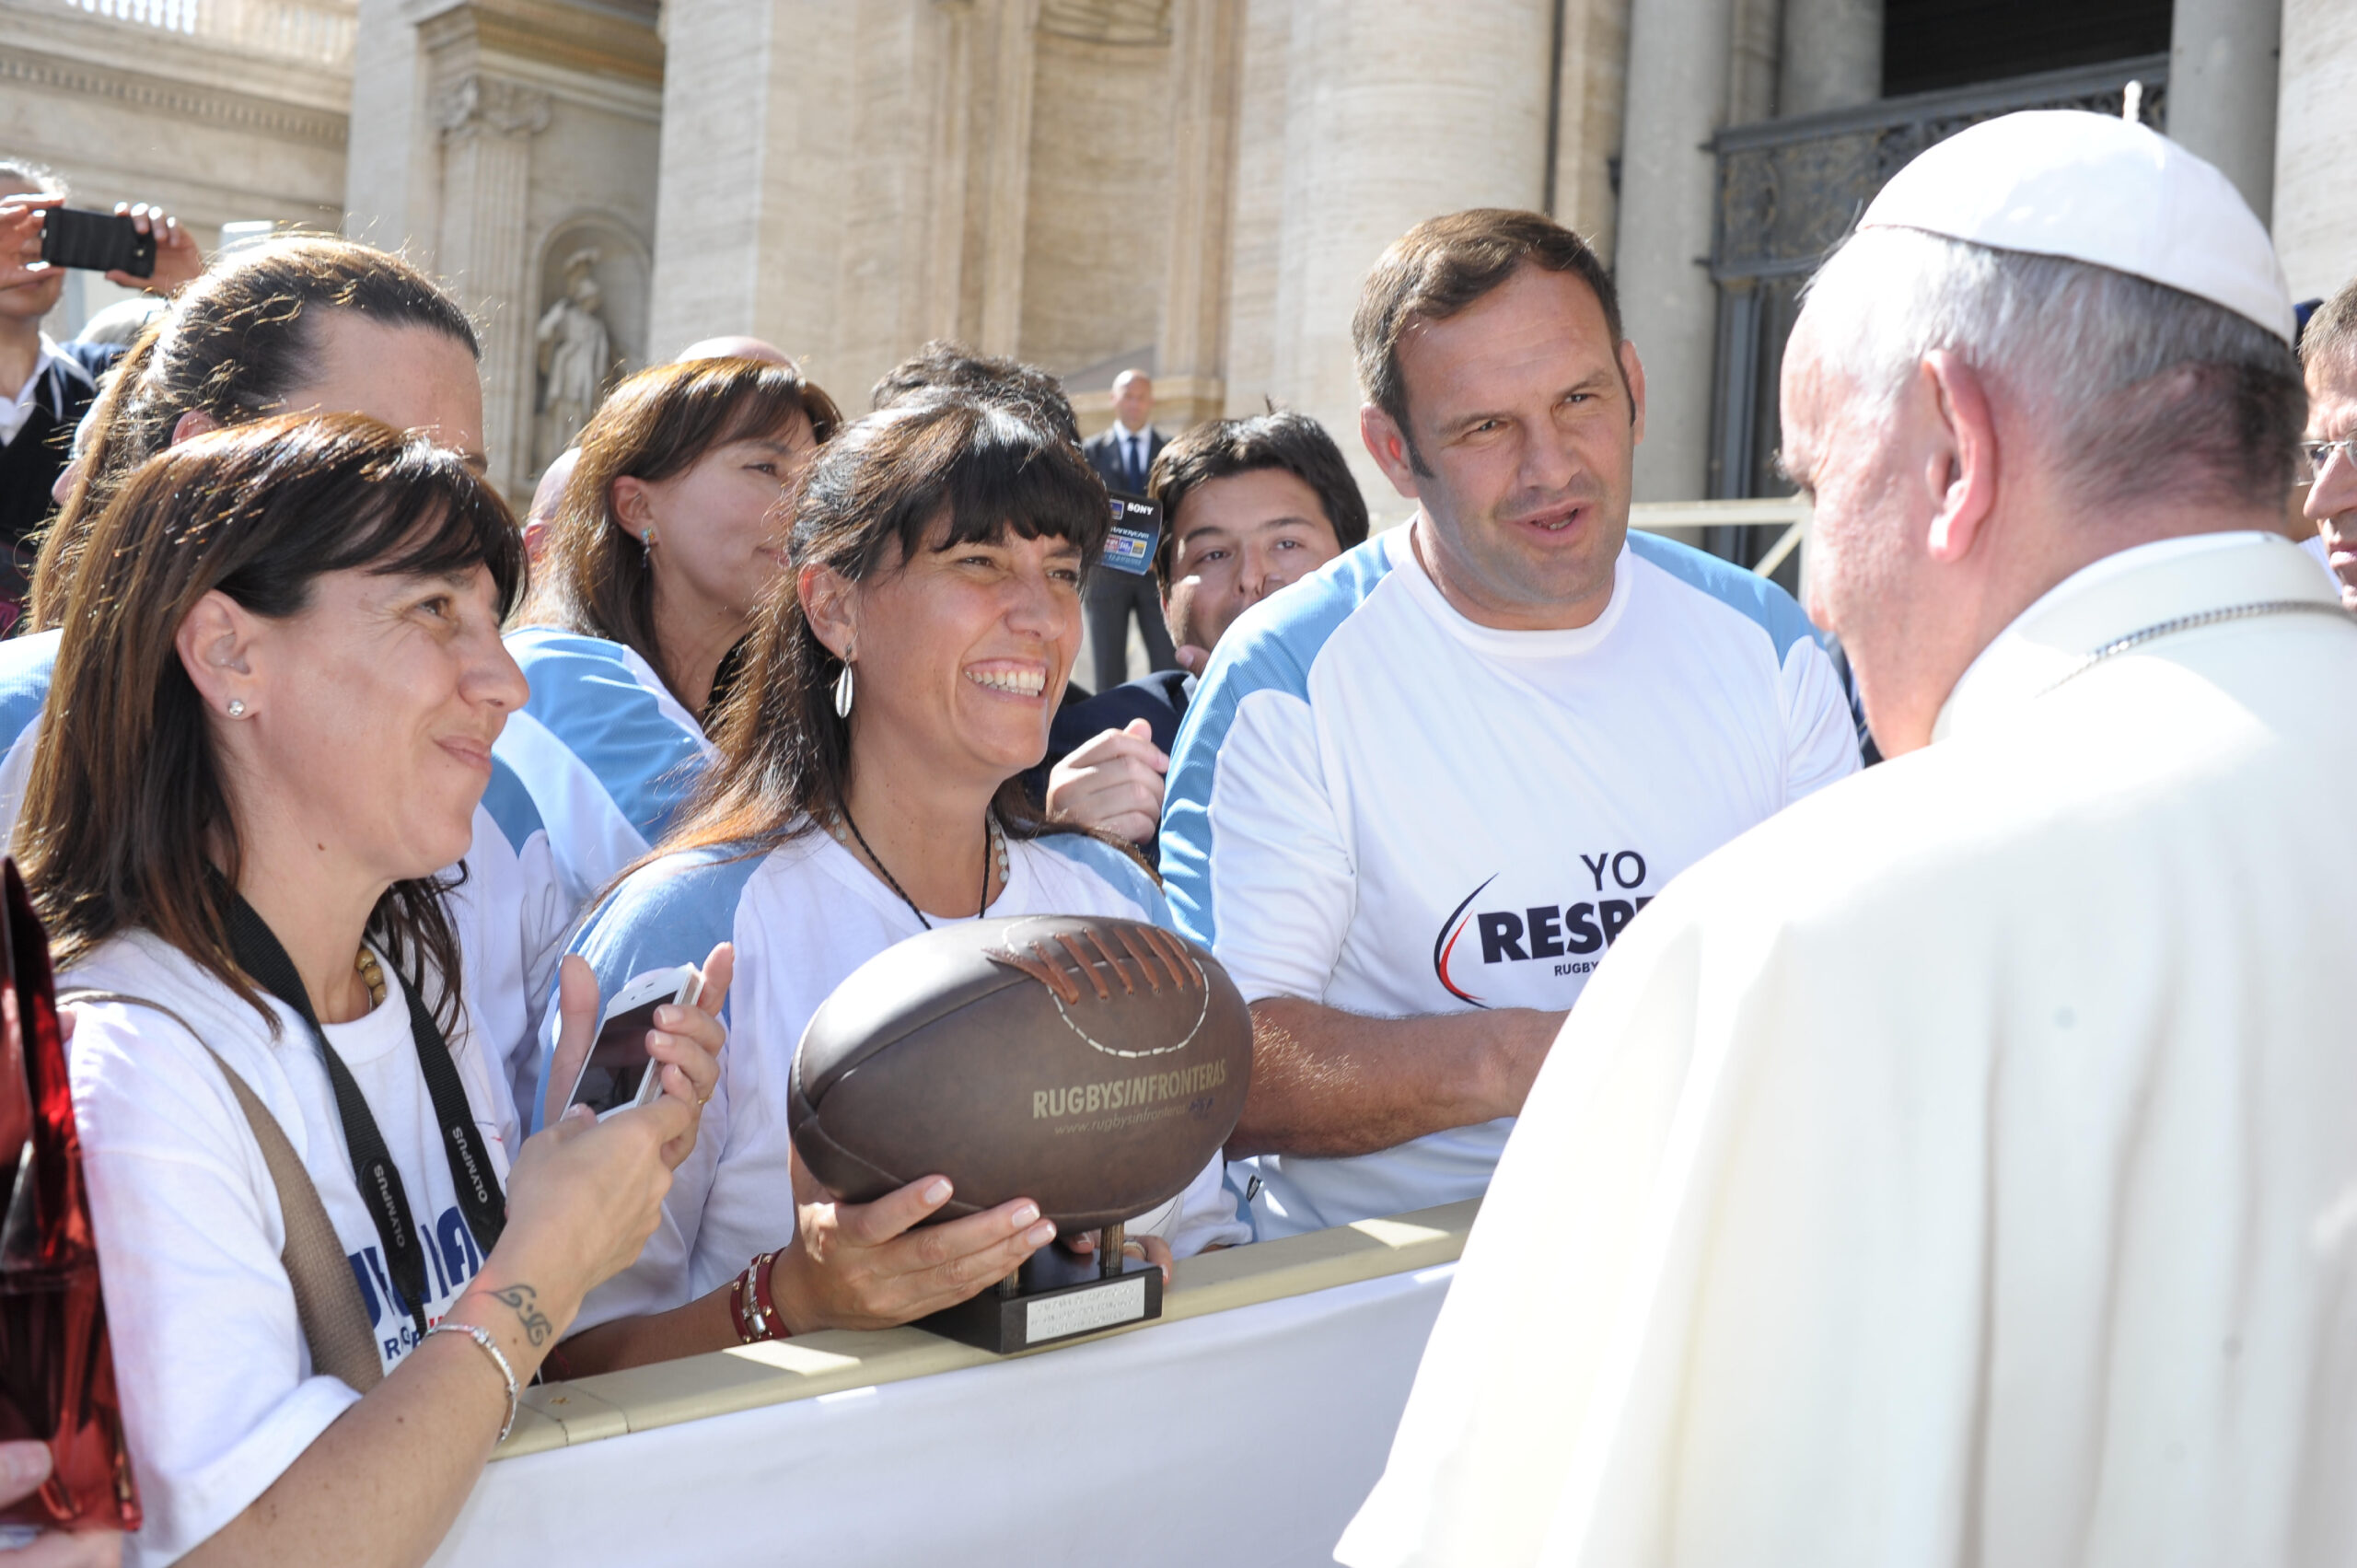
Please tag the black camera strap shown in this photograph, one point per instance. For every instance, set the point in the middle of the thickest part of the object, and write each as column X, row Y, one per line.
column 261, row 955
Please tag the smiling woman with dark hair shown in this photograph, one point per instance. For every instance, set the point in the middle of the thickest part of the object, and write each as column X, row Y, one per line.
column 899, row 681
column 275, row 699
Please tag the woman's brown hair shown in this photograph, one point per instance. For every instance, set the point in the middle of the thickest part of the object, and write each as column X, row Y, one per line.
column 595, row 578
column 868, row 505
column 126, row 823
column 232, row 346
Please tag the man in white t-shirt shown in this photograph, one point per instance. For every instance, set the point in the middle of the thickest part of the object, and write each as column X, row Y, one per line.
column 1420, row 794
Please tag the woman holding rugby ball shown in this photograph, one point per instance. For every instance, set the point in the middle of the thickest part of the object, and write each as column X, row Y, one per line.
column 899, row 681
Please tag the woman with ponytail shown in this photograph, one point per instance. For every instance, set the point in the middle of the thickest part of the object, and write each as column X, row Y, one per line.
column 307, row 324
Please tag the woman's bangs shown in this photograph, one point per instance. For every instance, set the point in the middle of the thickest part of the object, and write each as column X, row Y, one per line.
column 442, row 522
column 1032, row 491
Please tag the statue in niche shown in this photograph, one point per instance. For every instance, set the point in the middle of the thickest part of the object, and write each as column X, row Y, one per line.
column 575, row 353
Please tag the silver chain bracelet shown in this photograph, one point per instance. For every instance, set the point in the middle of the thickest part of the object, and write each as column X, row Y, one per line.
column 482, row 1336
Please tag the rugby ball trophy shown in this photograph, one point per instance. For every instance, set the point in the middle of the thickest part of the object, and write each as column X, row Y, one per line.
column 1092, row 1065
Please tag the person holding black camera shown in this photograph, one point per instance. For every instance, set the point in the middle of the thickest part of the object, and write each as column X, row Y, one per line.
column 46, row 387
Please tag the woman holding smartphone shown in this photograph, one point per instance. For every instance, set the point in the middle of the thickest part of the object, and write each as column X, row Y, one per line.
column 900, row 679
column 273, row 714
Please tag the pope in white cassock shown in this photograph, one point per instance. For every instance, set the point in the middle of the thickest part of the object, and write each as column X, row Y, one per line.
column 1961, row 1166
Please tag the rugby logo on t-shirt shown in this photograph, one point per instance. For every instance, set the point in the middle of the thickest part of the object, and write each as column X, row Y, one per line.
column 1570, row 936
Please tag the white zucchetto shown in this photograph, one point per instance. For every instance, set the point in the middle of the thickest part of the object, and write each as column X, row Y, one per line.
column 2098, row 189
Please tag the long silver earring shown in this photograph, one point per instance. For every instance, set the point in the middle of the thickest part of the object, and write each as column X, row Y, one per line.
column 843, row 685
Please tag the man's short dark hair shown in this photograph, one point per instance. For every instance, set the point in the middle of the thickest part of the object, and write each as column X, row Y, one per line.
column 946, row 366
column 2331, row 332
column 1443, row 265
column 1218, row 448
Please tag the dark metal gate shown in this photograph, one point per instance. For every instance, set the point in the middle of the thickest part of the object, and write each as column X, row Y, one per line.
column 1789, row 189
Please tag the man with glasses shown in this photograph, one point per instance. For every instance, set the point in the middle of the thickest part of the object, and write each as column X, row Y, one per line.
column 2329, row 360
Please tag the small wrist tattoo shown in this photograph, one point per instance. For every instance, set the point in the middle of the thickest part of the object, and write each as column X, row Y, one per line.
column 525, row 1300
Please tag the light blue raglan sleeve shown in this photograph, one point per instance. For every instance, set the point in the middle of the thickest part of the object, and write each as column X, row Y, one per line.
column 512, row 916
column 608, row 756
column 674, row 912
column 1819, row 731
column 1254, row 856
column 27, row 666
column 1134, row 893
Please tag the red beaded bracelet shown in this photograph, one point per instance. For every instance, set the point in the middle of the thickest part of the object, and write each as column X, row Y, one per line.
column 751, row 1305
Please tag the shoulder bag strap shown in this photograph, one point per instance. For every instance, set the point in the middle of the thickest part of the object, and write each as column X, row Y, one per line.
column 327, row 1296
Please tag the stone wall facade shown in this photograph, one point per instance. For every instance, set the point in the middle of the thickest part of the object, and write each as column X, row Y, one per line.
column 1195, row 187
column 237, row 112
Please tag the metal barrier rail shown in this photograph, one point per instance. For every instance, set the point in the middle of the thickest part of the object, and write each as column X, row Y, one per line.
column 1790, row 513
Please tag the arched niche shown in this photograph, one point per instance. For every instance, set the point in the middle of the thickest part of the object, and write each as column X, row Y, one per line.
column 605, row 250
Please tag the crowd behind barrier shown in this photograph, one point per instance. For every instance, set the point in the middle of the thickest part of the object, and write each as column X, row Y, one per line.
column 351, row 802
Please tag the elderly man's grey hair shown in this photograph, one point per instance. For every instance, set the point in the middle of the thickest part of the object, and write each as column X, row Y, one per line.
column 2332, row 337
column 2139, row 390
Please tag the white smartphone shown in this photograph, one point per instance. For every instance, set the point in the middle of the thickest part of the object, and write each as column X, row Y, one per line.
column 618, row 1075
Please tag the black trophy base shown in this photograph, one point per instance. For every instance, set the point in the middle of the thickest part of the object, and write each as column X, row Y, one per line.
column 1058, row 1296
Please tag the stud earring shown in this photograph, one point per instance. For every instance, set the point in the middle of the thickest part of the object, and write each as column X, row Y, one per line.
column 236, row 708
column 843, row 691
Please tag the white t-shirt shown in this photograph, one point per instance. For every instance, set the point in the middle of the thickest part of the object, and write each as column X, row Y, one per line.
column 218, row 1395
column 803, row 917
column 1378, row 805
column 509, row 908
column 607, row 753
column 16, row 407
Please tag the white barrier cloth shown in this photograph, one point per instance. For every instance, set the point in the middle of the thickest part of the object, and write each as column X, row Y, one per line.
column 1242, row 1438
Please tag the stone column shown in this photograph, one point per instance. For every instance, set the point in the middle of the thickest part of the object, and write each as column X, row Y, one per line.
column 1591, row 76
column 1187, row 384
column 1677, row 87
column 1395, row 111
column 487, row 126
column 2223, row 56
column 392, row 195
column 1006, row 190
column 2316, row 207
column 948, row 170
column 1832, row 55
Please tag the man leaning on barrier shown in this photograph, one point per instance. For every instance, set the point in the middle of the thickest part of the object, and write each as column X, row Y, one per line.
column 1420, row 794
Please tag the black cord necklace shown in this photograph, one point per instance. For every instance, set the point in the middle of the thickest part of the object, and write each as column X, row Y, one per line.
column 991, row 839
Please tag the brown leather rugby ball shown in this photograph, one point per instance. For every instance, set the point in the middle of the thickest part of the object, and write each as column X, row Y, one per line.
column 1094, row 1065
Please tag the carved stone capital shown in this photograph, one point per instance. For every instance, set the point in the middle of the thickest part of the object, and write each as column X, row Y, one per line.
column 491, row 105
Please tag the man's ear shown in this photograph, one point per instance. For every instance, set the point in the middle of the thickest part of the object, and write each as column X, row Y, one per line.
column 1388, row 444
column 1960, row 465
column 216, row 645
column 1634, row 369
column 633, row 505
column 827, row 598
column 195, row 422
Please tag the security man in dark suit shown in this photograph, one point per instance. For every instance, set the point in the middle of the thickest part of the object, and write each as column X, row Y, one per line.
column 1122, row 456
